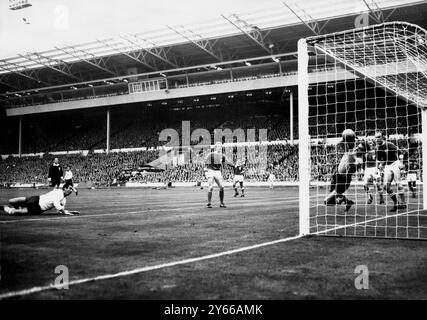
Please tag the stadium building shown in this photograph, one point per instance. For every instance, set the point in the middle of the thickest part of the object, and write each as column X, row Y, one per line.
column 132, row 110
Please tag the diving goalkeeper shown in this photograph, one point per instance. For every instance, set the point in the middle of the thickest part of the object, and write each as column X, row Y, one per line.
column 342, row 177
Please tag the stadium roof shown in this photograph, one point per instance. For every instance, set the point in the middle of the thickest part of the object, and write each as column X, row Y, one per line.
column 267, row 32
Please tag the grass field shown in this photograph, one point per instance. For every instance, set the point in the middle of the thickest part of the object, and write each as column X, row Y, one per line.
column 164, row 244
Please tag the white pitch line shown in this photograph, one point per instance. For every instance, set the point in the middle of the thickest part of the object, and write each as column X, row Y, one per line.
column 185, row 261
column 146, row 269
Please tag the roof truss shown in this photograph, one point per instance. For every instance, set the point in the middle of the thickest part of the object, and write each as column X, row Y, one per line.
column 204, row 44
column 252, row 31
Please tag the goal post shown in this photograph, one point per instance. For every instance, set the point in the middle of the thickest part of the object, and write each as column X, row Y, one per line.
column 303, row 139
column 370, row 80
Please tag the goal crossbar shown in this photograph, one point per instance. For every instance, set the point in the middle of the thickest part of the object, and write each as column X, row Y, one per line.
column 391, row 57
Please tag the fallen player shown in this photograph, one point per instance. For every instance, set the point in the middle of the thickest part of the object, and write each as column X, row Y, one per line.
column 36, row 205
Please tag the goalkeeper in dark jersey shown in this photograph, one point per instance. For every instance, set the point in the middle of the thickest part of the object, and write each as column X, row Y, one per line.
column 342, row 177
column 388, row 158
column 238, row 178
column 213, row 164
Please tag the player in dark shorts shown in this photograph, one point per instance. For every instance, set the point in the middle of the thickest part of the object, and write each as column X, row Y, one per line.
column 36, row 205
column 238, row 178
column 342, row 177
column 55, row 174
column 413, row 169
column 213, row 164
column 68, row 180
column 388, row 158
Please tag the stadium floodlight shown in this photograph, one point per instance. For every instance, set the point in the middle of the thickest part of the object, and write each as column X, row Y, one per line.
column 373, row 81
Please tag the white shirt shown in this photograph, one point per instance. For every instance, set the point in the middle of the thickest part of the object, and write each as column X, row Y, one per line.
column 68, row 175
column 55, row 198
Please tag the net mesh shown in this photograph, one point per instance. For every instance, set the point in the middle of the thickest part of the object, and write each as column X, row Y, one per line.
column 368, row 80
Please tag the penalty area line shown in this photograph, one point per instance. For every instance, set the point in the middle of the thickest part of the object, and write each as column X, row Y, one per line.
column 145, row 269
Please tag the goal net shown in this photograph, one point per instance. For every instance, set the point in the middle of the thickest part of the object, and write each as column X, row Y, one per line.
column 372, row 81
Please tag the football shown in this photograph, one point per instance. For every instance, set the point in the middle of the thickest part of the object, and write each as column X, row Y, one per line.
column 348, row 135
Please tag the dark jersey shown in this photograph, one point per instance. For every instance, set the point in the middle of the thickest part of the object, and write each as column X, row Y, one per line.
column 55, row 172
column 214, row 160
column 387, row 152
column 238, row 170
column 370, row 159
column 342, row 177
column 413, row 167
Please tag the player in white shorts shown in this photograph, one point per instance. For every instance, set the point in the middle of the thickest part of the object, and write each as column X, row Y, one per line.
column 413, row 169
column 213, row 163
column 387, row 156
column 371, row 173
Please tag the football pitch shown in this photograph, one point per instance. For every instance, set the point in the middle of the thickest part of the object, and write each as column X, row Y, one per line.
column 164, row 244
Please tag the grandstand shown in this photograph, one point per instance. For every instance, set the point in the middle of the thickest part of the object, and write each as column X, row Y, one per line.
column 137, row 86
column 100, row 108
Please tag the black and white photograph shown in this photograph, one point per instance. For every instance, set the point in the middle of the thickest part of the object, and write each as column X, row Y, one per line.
column 213, row 155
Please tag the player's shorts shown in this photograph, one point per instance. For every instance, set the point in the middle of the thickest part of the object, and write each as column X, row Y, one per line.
column 340, row 182
column 412, row 177
column 68, row 183
column 32, row 204
column 216, row 174
column 238, row 178
column 392, row 172
column 370, row 174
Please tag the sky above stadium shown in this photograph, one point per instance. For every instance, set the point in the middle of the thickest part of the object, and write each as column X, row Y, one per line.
column 50, row 23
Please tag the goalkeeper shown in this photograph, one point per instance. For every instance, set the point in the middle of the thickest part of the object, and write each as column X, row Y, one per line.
column 341, row 178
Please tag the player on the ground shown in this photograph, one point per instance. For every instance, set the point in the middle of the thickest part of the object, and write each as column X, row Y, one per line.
column 371, row 175
column 342, row 177
column 68, row 177
column 35, row 205
column 238, row 178
column 213, row 164
column 413, row 169
column 55, row 174
column 388, row 158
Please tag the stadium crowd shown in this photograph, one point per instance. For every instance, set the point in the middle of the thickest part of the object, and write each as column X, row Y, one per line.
column 115, row 168
column 120, row 167
column 139, row 127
